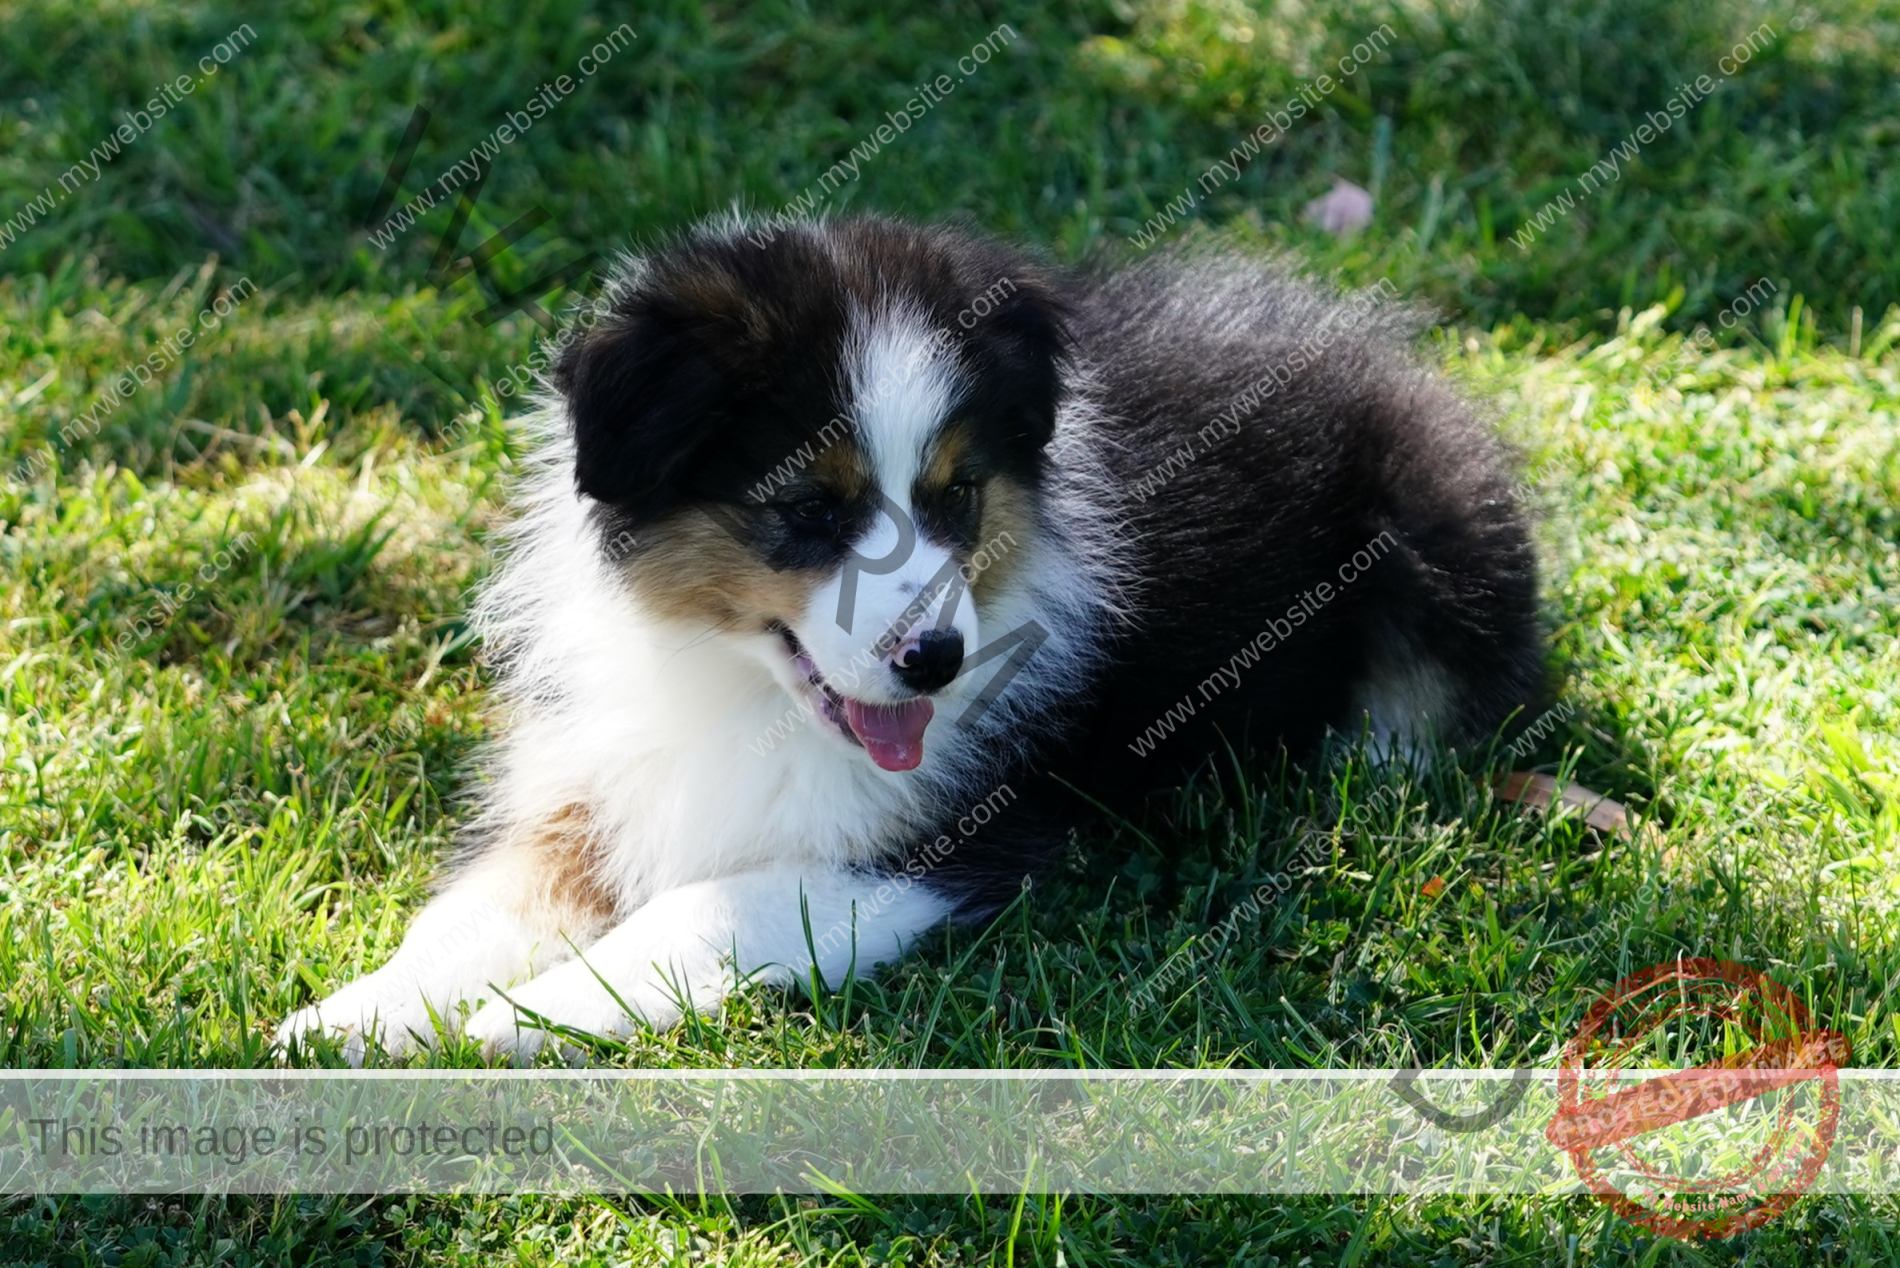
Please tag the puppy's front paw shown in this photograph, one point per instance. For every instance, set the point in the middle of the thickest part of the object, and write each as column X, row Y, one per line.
column 396, row 1018
column 567, row 998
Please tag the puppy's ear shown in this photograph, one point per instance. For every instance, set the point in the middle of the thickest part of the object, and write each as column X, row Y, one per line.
column 643, row 397
column 1023, row 343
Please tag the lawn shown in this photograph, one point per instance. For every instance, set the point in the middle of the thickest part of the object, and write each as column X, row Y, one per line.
column 237, row 701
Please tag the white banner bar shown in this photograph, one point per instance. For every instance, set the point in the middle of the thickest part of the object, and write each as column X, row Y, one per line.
column 946, row 1131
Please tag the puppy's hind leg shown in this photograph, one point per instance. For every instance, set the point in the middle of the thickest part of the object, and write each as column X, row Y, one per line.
column 515, row 910
column 1408, row 701
column 1453, row 643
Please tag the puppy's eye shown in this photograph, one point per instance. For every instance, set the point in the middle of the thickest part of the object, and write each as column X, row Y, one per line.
column 811, row 510
column 961, row 493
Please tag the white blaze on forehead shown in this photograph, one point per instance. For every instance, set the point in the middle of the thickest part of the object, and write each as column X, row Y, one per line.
column 903, row 384
column 902, row 378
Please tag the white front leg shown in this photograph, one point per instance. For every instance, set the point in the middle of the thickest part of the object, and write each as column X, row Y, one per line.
column 515, row 912
column 689, row 946
column 459, row 944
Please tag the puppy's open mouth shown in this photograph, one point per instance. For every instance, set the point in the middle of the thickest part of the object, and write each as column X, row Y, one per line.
column 892, row 734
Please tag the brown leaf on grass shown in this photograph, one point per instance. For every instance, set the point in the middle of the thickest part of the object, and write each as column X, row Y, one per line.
column 1536, row 792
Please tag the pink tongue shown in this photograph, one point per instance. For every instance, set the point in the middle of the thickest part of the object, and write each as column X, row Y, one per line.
column 893, row 734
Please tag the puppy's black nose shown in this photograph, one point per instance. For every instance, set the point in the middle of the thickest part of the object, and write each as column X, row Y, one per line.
column 929, row 662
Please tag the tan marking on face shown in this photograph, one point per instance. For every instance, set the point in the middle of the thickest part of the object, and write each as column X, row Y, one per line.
column 694, row 570
column 842, row 469
column 945, row 461
column 1008, row 526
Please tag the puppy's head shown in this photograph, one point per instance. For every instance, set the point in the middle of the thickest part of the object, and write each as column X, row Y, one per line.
column 826, row 444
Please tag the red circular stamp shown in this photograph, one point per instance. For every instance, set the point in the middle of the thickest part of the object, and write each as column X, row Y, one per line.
column 1720, row 1146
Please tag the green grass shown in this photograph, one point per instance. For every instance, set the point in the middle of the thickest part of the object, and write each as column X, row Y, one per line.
column 210, row 818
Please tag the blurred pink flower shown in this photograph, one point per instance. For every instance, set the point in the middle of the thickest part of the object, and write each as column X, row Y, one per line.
column 1343, row 211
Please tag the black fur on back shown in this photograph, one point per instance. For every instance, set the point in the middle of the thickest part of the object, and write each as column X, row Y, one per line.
column 1283, row 488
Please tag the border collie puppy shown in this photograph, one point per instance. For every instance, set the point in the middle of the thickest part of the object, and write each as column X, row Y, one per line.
column 854, row 551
